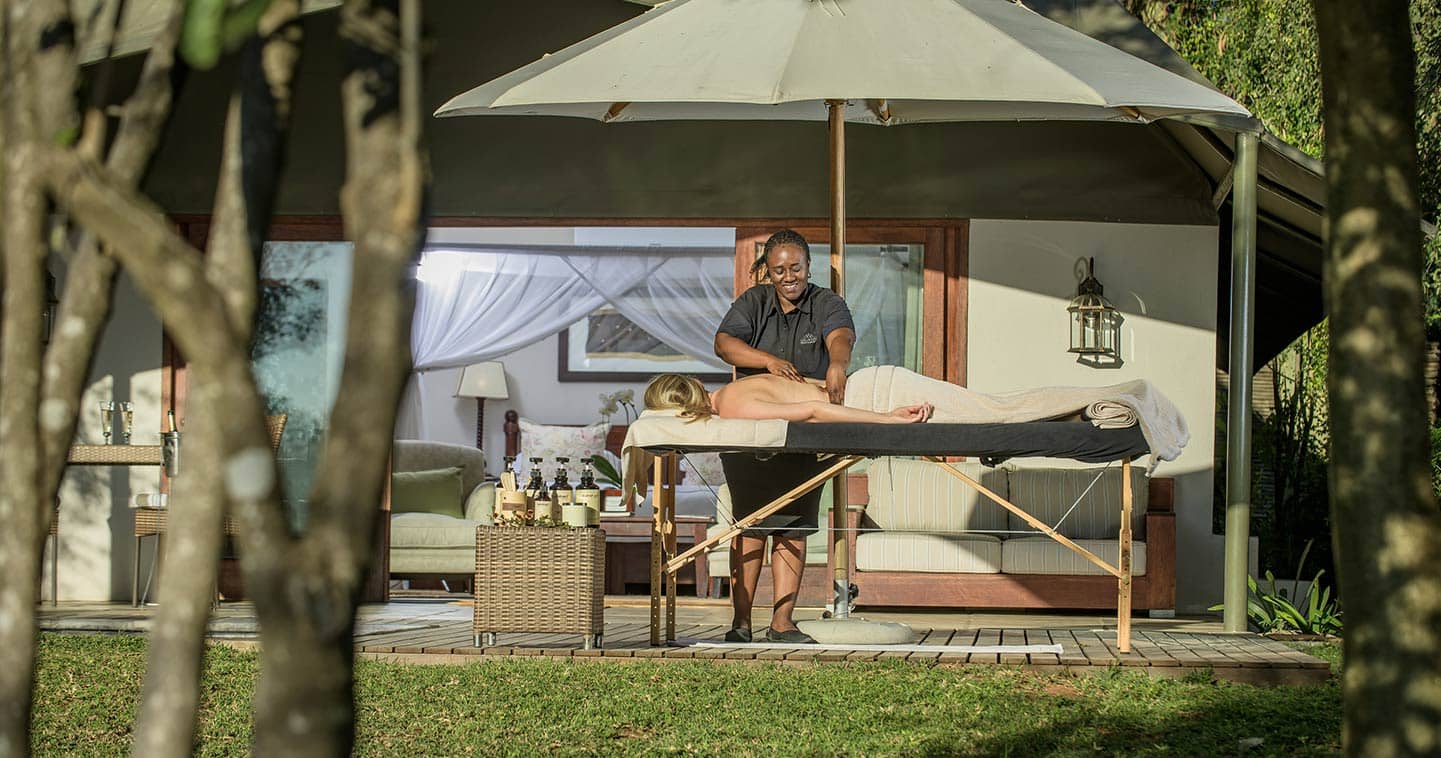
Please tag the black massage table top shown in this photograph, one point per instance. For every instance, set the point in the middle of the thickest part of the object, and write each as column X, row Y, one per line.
column 992, row 443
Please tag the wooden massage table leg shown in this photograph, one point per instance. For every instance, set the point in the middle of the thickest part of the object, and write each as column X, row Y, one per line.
column 655, row 553
column 1123, row 599
column 663, row 545
column 667, row 503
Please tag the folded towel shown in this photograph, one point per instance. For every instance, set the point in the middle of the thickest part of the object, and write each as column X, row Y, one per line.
column 1109, row 414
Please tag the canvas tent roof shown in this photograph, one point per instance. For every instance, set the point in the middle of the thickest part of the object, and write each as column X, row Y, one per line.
column 1158, row 177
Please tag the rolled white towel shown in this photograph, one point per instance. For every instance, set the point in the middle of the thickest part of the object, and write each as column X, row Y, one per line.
column 1109, row 414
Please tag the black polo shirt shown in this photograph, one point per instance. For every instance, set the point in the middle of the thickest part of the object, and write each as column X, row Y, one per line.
column 799, row 336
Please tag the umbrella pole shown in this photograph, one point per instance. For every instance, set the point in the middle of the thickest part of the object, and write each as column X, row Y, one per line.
column 840, row 552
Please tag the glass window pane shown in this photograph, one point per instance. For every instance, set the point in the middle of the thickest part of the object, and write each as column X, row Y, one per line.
column 298, row 352
column 884, row 288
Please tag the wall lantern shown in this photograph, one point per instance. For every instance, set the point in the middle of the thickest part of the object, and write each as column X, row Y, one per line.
column 47, row 317
column 1095, row 323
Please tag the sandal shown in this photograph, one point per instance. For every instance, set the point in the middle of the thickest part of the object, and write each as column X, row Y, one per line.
column 738, row 634
column 793, row 636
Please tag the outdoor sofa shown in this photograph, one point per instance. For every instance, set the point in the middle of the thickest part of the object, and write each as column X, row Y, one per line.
column 918, row 537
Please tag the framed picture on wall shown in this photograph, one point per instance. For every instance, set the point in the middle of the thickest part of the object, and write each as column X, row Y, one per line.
column 605, row 346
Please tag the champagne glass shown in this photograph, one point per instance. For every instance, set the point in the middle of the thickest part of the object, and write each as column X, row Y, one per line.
column 107, row 419
column 127, row 421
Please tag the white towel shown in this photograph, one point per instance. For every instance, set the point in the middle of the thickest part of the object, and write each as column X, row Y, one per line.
column 884, row 388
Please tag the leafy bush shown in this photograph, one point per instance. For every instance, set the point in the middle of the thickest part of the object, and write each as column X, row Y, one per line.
column 1273, row 610
column 1436, row 460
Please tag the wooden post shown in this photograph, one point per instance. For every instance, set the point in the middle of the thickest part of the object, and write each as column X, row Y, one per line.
column 1123, row 600
column 655, row 552
column 667, row 502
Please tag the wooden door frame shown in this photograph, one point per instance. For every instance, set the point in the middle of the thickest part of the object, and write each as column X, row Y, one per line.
column 944, row 282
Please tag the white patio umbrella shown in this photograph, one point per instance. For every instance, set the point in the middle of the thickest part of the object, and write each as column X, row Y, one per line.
column 883, row 62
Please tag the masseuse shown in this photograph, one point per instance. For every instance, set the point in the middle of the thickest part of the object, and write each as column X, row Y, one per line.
column 798, row 331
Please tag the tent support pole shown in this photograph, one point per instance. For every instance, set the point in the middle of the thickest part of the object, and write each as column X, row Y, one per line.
column 1238, row 406
column 840, row 553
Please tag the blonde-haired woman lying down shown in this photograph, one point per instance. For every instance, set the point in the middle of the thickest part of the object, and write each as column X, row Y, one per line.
column 766, row 396
column 894, row 395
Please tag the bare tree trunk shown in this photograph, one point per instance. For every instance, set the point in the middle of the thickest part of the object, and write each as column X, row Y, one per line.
column 37, row 48
column 255, row 131
column 1387, row 526
column 304, row 701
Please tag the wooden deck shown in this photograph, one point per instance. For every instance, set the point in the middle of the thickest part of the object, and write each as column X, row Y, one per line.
column 440, row 632
column 1247, row 658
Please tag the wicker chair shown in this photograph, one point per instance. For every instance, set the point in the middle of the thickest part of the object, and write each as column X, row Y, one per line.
column 153, row 522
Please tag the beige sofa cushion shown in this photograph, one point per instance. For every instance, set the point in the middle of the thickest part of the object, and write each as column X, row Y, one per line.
column 936, row 553
column 432, row 530
column 919, row 496
column 432, row 560
column 1047, row 493
column 1043, row 555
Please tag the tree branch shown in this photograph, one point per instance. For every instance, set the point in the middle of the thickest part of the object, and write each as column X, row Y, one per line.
column 257, row 122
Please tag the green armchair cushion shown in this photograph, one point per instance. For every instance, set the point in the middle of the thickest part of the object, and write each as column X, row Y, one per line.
column 429, row 491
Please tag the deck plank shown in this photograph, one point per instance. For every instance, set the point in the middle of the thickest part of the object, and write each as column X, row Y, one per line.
column 986, row 637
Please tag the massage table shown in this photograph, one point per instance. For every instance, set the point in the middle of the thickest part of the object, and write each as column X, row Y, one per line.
column 848, row 443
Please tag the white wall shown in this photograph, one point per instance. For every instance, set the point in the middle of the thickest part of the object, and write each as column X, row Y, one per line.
column 1163, row 280
column 96, row 528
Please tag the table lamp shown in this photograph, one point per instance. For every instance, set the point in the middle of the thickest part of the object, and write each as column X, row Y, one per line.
column 482, row 381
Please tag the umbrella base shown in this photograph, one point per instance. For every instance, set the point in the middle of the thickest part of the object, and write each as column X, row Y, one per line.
column 857, row 631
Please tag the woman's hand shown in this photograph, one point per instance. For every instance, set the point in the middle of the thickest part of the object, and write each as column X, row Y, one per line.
column 913, row 414
column 784, row 368
column 836, row 384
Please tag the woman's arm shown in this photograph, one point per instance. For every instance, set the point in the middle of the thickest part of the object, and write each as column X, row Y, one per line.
column 736, row 352
column 822, row 411
column 838, row 346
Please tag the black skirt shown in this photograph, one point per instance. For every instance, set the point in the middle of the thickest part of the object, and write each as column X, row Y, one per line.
column 757, row 479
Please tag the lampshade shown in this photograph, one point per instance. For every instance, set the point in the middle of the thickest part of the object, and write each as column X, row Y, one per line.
column 485, row 380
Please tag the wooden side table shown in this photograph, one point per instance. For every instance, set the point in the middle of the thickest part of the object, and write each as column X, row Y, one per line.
column 627, row 542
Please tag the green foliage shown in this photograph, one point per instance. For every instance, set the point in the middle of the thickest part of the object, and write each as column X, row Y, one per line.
column 214, row 27
column 87, row 690
column 1436, row 460
column 1263, row 53
column 605, row 470
column 1273, row 610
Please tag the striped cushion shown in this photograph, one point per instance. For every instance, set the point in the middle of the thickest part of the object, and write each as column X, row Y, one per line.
column 1047, row 493
column 936, row 553
column 919, row 496
column 1043, row 555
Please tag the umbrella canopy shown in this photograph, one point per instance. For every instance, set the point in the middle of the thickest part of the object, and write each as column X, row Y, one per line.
column 895, row 61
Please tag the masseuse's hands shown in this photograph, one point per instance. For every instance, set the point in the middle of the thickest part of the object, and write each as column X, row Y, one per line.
column 836, row 384
column 784, row 368
column 913, row 414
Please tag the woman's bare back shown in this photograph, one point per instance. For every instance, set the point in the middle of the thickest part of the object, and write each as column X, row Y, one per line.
column 730, row 400
column 765, row 396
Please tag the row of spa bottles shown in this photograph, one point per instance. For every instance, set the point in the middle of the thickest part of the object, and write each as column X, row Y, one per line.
column 577, row 506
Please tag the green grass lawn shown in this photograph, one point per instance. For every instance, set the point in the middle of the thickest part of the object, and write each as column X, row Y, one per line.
column 88, row 687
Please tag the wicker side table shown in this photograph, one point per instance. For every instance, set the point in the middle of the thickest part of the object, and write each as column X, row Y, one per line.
column 539, row 579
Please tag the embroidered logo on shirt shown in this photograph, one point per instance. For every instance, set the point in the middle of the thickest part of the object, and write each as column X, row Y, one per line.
column 808, row 339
